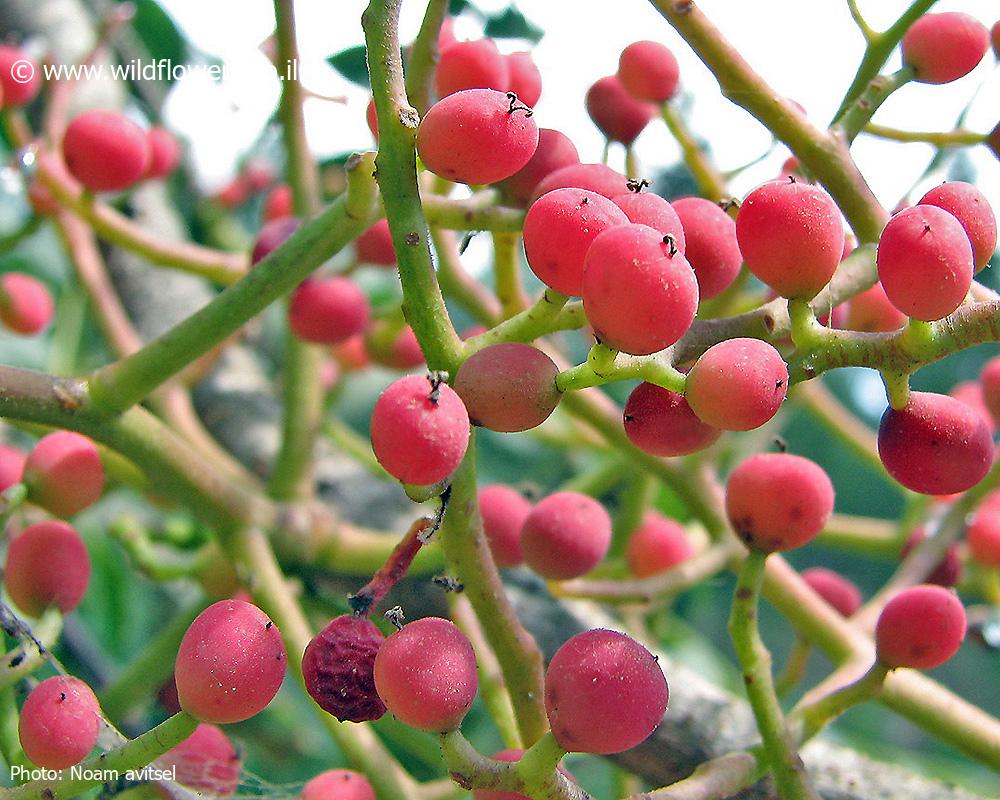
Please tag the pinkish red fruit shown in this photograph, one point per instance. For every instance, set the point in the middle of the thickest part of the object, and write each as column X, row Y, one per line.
column 660, row 422
column 11, row 466
column 338, row 668
column 328, row 310
column 47, row 566
column 338, row 784
column 649, row 71
column 565, row 536
column 63, row 473
column 504, row 511
column 710, row 244
column 921, row 627
column 554, row 151
column 272, row 236
column 658, row 544
column 59, row 722
column 375, row 245
column 20, row 77
column 164, row 152
column 279, row 203
column 944, row 47
column 947, row 572
column 983, row 537
column 644, row 208
column 616, row 113
column 206, row 762
column 597, row 178
column 510, row 756
column 471, row 65
column 834, row 588
column 971, row 208
column 525, row 79
column 105, row 151
column 25, row 303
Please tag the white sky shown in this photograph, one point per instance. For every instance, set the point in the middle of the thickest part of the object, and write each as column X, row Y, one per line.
column 806, row 50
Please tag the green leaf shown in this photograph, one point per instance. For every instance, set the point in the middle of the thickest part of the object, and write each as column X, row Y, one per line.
column 512, row 24
column 159, row 34
column 352, row 63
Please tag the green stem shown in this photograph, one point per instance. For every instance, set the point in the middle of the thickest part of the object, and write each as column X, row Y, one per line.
column 795, row 668
column 424, row 56
column 132, row 755
column 10, row 501
column 551, row 312
column 457, row 284
column 755, row 660
column 956, row 138
column 859, row 114
column 539, row 763
column 507, row 273
column 605, row 366
column 710, row 181
column 477, row 213
column 808, row 720
column 717, row 779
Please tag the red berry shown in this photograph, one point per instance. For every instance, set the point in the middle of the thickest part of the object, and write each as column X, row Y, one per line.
column 11, row 466
column 639, row 293
column 279, row 203
column 565, row 535
column 59, row 723
column 274, row 234
column 935, row 445
column 947, row 572
column 47, row 565
column 649, row 71
column 426, row 674
column 63, row 473
column 778, row 501
column 328, row 310
column 944, row 47
column 554, row 151
column 205, row 762
column 921, row 627
column 338, row 668
column 20, row 77
column 872, row 311
column 525, row 79
column 25, row 303
column 834, row 588
column 925, row 262
column 508, row 387
column 661, row 423
column 791, row 236
column 338, row 784
column 419, row 431
column 597, row 178
column 971, row 393
column 616, row 113
column 164, row 152
column 558, row 231
column 105, row 151
column 995, row 38
column 371, row 117
column 643, row 208
column 230, row 663
column 657, row 545
column 971, row 208
column 471, row 65
column 503, row 511
column 510, row 756
column 375, row 245
column 604, row 693
column 737, row 385
column 983, row 537
column 989, row 378
column 710, row 244
column 474, row 137
column 393, row 347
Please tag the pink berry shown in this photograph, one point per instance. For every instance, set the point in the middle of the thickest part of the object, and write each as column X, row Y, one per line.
column 616, row 113
column 274, row 234
column 737, row 385
column 971, row 393
column 60, row 722
column 921, row 627
column 338, row 784
column 989, row 378
column 604, row 693
column 971, row 208
column 558, row 231
column 375, row 245
column 205, row 762
column 657, row 545
column 338, row 668
column 871, row 311
column 791, row 236
column 426, row 674
column 834, row 588
column 510, row 756
column 525, row 79
column 565, row 536
column 554, row 151
column 944, row 47
column 644, row 208
column 649, row 71
column 20, row 77
column 661, row 423
column 471, row 65
column 230, row 663
column 597, row 178
column 11, row 466
column 947, row 572
column 105, row 151
column 393, row 347
column 419, row 430
column 508, row 387
column 935, row 444
column 371, row 117
column 983, row 537
column 47, row 565
column 639, row 293
column 925, row 262
column 164, row 152
column 476, row 136
column 328, row 310
column 279, row 203
column 778, row 501
column 25, row 303
column 710, row 244
column 63, row 473
column 503, row 511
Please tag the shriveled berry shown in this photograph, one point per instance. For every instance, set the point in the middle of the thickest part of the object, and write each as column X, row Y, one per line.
column 971, row 208
column 47, row 566
column 63, row 473
column 59, row 722
column 658, row 544
column 426, row 674
column 105, row 151
column 504, row 511
column 935, row 444
column 555, row 150
column 660, row 422
column 338, row 667
column 565, row 535
column 947, row 572
column 778, row 501
column 604, row 693
column 230, row 663
column 205, row 762
column 710, row 244
column 508, row 387
column 921, row 627
column 649, row 71
column 328, row 310
column 944, row 47
column 338, row 784
column 616, row 113
column 419, row 431
column 834, row 588
column 25, row 303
